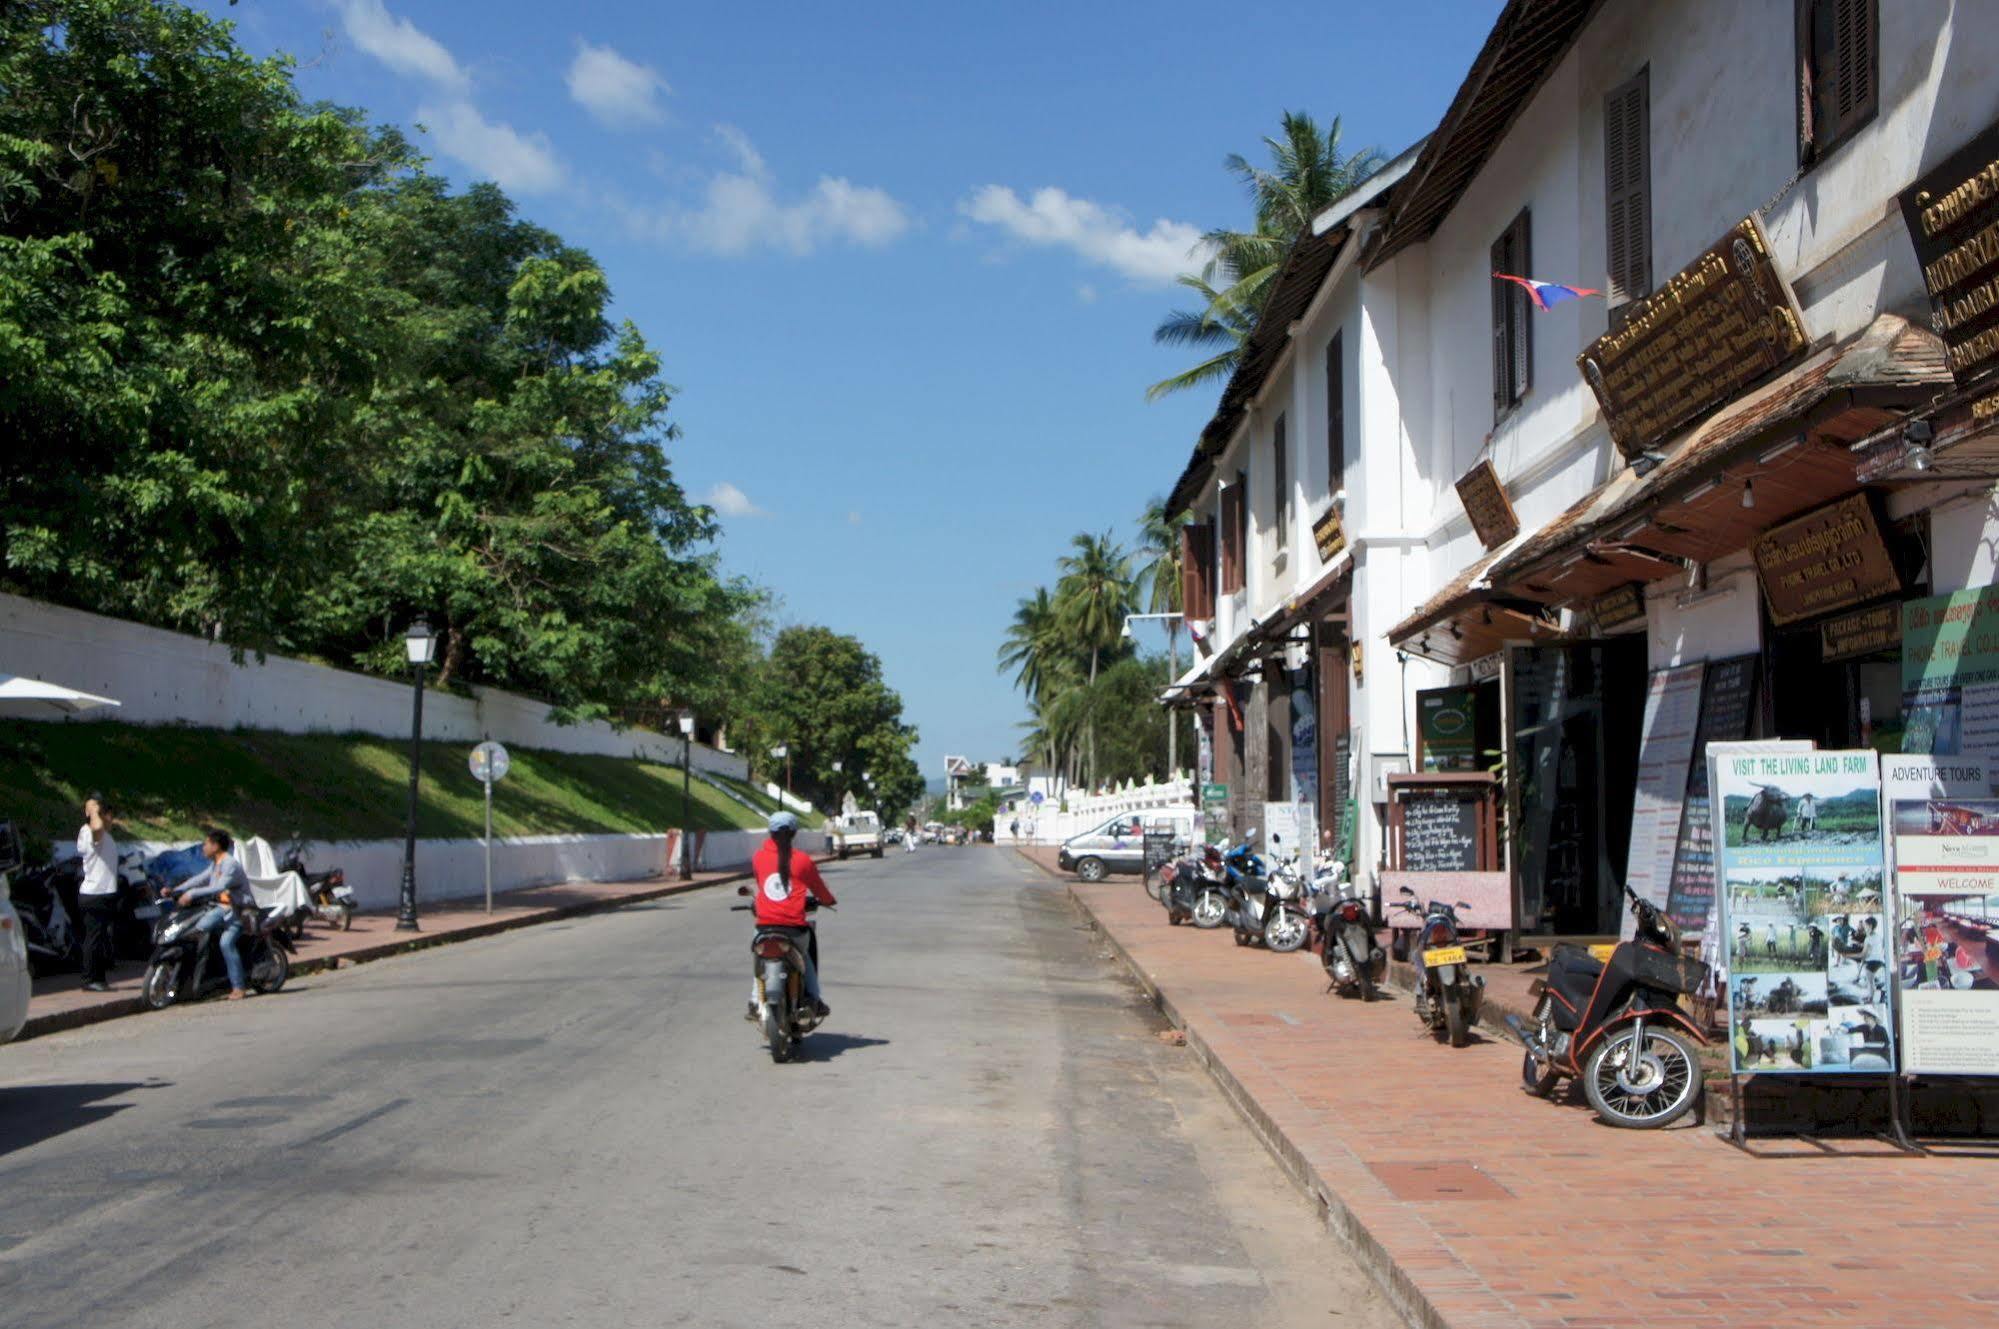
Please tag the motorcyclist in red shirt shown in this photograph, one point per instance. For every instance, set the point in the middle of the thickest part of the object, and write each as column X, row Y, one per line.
column 783, row 878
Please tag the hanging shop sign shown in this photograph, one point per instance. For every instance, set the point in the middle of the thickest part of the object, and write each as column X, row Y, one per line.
column 1809, row 945
column 1447, row 729
column 1952, row 213
column 1863, row 632
column 1329, row 533
column 1353, row 649
column 1825, row 560
column 1672, row 713
column 1616, row 607
column 1950, row 674
column 1726, row 320
column 1487, row 667
column 1945, row 834
column 1486, row 503
column 1728, row 692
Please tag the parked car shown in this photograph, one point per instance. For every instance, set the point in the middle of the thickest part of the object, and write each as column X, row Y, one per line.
column 858, row 834
column 15, row 984
column 1119, row 844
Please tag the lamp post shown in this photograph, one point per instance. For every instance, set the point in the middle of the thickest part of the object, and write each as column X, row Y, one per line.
column 419, row 646
column 839, row 803
column 686, row 796
column 1173, row 667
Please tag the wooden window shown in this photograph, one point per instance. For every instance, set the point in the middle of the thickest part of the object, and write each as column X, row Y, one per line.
column 1336, row 415
column 1235, row 521
column 1627, row 189
column 1512, row 334
column 1280, row 484
column 1839, row 72
column 1197, row 570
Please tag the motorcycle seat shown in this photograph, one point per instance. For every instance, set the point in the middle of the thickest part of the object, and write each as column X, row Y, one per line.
column 1572, row 975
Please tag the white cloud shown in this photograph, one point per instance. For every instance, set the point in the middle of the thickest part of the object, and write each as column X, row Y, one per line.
column 730, row 501
column 1087, row 293
column 1097, row 234
column 743, row 210
column 854, row 517
column 400, row 44
column 621, row 93
column 522, row 163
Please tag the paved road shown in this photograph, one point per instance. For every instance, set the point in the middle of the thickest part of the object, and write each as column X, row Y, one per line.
column 572, row 1124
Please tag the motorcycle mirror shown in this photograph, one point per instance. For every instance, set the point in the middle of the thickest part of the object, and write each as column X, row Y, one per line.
column 742, row 890
column 1249, row 835
column 1464, row 904
column 1404, row 890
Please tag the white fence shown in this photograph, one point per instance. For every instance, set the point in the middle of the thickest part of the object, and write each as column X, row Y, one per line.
column 1056, row 819
column 161, row 677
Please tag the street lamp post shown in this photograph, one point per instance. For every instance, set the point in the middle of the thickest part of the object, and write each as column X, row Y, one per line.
column 419, row 646
column 686, row 796
column 839, row 803
column 1173, row 666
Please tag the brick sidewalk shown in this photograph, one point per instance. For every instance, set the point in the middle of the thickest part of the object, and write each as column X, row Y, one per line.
column 60, row 1002
column 1554, row 1220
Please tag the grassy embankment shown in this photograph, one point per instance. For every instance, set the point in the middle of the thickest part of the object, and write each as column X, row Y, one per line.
column 169, row 782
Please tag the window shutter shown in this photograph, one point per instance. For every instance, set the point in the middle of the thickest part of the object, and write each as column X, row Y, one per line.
column 1853, row 34
column 1627, row 174
column 1838, row 71
column 1280, row 483
column 1234, row 512
column 1197, row 570
column 1523, row 332
column 1502, row 292
column 1336, row 416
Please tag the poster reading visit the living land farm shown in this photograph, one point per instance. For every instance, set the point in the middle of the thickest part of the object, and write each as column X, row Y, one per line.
column 1946, row 841
column 1799, row 846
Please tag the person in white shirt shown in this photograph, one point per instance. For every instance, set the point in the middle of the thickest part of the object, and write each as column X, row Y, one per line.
column 97, row 897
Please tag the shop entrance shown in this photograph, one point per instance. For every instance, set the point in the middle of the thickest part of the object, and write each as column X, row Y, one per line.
column 1575, row 716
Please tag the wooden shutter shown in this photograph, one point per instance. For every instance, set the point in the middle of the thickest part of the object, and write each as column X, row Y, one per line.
column 1512, row 335
column 1280, row 483
column 1627, row 185
column 1336, row 416
column 1523, row 331
column 1197, row 570
column 1233, row 513
column 1839, row 71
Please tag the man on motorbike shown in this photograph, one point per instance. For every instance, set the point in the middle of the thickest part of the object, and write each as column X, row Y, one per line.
column 225, row 882
column 782, row 880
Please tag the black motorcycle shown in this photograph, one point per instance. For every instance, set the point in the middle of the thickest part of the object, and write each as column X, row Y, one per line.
column 1617, row 1025
column 50, row 924
column 186, row 964
column 782, row 1008
column 1353, row 962
column 1448, row 995
column 332, row 898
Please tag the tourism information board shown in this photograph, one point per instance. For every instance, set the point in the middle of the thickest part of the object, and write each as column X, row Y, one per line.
column 1672, row 709
column 1950, row 674
column 1799, row 845
column 1726, row 697
column 1945, row 828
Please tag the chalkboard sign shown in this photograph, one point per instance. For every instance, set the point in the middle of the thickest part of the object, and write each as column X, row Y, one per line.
column 1439, row 830
column 1727, row 695
column 1342, row 795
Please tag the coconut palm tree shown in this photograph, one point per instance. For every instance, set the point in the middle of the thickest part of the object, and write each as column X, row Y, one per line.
column 1159, row 541
column 1307, row 174
column 1033, row 644
column 1095, row 593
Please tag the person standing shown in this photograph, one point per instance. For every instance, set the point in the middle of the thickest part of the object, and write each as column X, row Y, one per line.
column 97, row 897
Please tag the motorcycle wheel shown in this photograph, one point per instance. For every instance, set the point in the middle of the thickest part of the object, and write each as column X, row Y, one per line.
column 1153, row 885
column 1663, row 1090
column 273, row 971
column 1537, row 1078
column 1208, row 911
column 1365, row 972
column 1284, row 932
column 776, row 1034
column 1455, row 1023
column 1242, row 938
column 162, row 986
column 346, row 919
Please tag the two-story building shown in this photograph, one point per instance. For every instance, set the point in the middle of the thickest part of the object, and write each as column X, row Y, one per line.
column 1697, row 501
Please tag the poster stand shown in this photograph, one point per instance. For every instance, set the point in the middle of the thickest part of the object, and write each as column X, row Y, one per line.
column 1897, row 1134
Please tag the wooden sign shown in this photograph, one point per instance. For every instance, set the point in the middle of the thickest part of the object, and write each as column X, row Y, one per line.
column 1491, row 512
column 1359, row 675
column 1825, row 560
column 1722, row 323
column 1953, row 217
column 1330, row 534
column 1616, row 607
column 1863, row 632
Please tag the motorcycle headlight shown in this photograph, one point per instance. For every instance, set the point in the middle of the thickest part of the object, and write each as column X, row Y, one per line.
column 1284, row 890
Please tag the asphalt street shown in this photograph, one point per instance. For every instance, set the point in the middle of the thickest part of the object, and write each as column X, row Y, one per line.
column 573, row 1124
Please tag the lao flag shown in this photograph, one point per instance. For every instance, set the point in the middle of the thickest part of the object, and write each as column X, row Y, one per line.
column 1547, row 294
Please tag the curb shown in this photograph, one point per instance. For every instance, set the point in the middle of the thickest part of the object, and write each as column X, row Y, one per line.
column 83, row 1017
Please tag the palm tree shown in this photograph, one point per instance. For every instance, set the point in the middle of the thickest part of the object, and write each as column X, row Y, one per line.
column 1032, row 643
column 1093, row 597
column 1307, row 175
column 1159, row 538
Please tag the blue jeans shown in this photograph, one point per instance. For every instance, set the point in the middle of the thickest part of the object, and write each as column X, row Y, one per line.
column 224, row 918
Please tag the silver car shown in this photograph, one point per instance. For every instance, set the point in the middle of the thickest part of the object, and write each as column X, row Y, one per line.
column 1119, row 844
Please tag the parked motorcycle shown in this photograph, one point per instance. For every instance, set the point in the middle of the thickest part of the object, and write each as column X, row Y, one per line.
column 332, row 898
column 50, row 925
column 1286, row 924
column 1246, row 876
column 186, row 964
column 782, row 1009
column 1448, row 995
column 1617, row 1025
column 1353, row 962
column 1205, row 890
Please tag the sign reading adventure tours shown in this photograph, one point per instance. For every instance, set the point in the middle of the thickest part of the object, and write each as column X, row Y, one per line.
column 1727, row 692
column 1863, row 632
column 1952, row 213
column 1945, row 827
column 1445, row 724
column 1491, row 511
column 1720, row 324
column 1672, row 711
column 1825, row 560
column 1803, row 919
column 1950, row 674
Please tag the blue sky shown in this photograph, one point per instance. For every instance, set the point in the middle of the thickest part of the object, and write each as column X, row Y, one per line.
column 902, row 261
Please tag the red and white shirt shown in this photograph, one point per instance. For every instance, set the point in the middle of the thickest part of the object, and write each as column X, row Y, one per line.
column 781, row 903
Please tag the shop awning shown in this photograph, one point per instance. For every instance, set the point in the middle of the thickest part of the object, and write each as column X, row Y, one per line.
column 1469, row 619
column 1329, row 589
column 1783, row 450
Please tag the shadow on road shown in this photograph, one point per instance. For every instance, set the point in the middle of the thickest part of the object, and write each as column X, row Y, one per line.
column 32, row 1113
column 825, row 1047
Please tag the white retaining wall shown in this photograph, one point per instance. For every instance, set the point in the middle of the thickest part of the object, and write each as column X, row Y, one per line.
column 161, row 677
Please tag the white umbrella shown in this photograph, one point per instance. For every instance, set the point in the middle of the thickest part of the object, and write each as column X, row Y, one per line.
column 31, row 698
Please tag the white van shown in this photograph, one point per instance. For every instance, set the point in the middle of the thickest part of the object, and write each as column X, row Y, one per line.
column 15, row 984
column 1119, row 844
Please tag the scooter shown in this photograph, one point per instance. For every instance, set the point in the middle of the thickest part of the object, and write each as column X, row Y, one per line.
column 782, row 1009
column 1286, row 925
column 332, row 898
column 1248, row 892
column 187, row 966
column 48, row 926
column 1617, row 1025
column 1448, row 996
column 1347, row 949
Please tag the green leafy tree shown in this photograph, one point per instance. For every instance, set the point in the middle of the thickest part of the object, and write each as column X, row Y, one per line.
column 823, row 696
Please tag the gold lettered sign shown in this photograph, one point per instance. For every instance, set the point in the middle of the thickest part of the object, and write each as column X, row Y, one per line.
column 1863, row 632
column 1486, row 503
column 1616, row 607
column 1953, row 217
column 1330, row 534
column 1825, row 560
column 1699, row 341
column 1359, row 673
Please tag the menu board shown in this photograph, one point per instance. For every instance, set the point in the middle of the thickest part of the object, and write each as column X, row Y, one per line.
column 1439, row 830
column 1810, row 953
column 1727, row 694
column 1672, row 712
